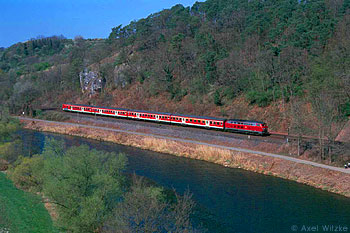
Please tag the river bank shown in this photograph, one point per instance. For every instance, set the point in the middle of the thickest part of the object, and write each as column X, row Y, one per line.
column 332, row 181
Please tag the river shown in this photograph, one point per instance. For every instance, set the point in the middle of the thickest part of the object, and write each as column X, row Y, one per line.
column 229, row 200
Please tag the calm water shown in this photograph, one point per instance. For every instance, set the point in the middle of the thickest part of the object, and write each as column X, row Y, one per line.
column 230, row 200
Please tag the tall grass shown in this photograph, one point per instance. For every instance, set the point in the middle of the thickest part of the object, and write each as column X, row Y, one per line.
column 21, row 211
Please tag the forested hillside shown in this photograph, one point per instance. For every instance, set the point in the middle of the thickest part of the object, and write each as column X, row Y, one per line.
column 285, row 62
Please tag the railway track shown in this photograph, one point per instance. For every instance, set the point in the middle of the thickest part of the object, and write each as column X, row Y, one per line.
column 274, row 137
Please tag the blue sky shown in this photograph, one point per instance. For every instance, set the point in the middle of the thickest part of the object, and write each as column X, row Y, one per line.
column 21, row 20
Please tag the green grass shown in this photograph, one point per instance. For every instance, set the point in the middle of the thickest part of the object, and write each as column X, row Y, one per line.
column 21, row 211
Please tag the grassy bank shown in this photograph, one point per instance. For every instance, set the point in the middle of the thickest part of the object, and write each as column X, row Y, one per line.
column 21, row 211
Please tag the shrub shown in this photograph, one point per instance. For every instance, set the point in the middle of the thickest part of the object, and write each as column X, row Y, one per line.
column 41, row 66
column 146, row 209
column 262, row 99
column 27, row 174
column 217, row 98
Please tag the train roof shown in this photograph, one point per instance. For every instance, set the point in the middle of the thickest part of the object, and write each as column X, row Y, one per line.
column 92, row 106
column 200, row 117
column 150, row 112
column 167, row 113
column 246, row 121
column 123, row 109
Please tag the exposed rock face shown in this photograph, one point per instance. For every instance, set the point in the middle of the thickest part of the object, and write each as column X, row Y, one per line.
column 90, row 82
column 344, row 135
column 120, row 78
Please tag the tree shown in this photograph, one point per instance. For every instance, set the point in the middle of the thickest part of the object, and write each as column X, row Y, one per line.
column 9, row 144
column 145, row 209
column 326, row 98
column 84, row 184
column 26, row 173
column 24, row 95
column 297, row 124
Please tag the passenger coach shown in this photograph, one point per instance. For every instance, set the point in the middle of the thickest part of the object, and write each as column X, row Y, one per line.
column 233, row 125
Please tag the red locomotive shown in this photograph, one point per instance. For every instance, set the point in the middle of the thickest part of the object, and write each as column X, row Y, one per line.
column 234, row 125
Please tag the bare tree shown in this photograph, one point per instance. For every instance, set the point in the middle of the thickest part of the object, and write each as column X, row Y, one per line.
column 297, row 123
column 326, row 108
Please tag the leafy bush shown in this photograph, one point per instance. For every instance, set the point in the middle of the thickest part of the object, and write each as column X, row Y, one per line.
column 262, row 99
column 27, row 174
column 41, row 66
column 345, row 109
column 217, row 98
column 147, row 209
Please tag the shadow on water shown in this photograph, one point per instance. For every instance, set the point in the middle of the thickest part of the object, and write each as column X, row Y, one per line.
column 229, row 200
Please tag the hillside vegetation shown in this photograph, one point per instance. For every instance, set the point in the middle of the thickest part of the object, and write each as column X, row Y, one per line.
column 284, row 62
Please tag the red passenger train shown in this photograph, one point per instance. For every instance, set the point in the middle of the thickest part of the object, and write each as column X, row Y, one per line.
column 234, row 125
